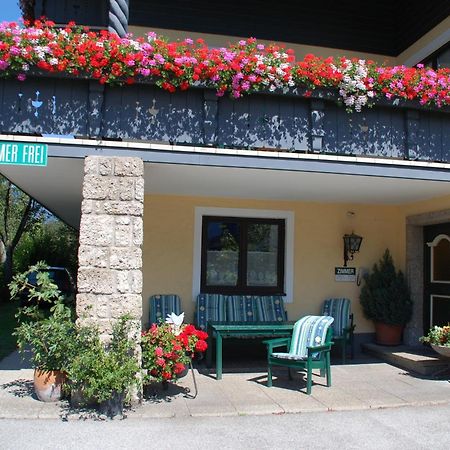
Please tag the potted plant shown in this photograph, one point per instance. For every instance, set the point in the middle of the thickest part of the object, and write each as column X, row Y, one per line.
column 168, row 348
column 439, row 339
column 46, row 333
column 104, row 373
column 386, row 300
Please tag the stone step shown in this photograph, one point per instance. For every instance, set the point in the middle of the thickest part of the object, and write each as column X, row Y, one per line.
column 420, row 360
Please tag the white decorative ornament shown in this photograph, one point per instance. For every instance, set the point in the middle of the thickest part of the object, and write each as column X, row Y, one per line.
column 175, row 320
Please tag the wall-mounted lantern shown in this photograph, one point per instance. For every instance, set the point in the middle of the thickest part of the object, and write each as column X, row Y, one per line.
column 352, row 242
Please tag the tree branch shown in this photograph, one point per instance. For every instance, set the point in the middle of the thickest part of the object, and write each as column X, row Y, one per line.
column 5, row 212
column 23, row 223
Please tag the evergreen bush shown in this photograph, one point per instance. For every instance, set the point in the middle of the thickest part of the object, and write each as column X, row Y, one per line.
column 385, row 295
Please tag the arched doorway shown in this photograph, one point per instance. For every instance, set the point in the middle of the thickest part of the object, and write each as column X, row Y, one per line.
column 436, row 300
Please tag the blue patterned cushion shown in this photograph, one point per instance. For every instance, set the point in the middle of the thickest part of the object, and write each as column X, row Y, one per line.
column 210, row 307
column 270, row 308
column 163, row 304
column 309, row 331
column 339, row 309
column 241, row 308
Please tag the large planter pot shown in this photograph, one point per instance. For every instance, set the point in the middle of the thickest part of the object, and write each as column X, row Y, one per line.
column 48, row 384
column 443, row 351
column 113, row 406
column 388, row 334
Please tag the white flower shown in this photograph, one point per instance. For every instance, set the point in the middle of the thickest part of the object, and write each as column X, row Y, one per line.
column 318, row 340
column 175, row 321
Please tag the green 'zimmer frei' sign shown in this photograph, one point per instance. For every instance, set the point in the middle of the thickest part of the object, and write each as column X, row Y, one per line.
column 23, row 153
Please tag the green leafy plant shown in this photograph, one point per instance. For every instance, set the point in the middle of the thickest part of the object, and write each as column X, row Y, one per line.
column 385, row 296
column 48, row 334
column 438, row 336
column 38, row 294
column 99, row 371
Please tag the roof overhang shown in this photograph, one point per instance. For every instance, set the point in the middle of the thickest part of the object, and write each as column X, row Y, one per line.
column 193, row 171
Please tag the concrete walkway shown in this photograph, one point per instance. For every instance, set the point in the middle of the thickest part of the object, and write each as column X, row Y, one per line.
column 360, row 385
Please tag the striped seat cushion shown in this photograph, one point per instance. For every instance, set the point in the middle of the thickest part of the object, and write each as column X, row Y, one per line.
column 241, row 308
column 210, row 307
column 270, row 308
column 309, row 331
column 163, row 304
column 339, row 309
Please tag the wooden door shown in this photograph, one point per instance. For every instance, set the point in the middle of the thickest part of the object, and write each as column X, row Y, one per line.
column 436, row 302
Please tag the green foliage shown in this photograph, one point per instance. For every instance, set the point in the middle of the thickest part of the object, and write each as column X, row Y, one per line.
column 51, row 241
column 438, row 336
column 385, row 295
column 19, row 214
column 50, row 339
column 7, row 324
column 99, row 371
column 45, row 291
column 48, row 334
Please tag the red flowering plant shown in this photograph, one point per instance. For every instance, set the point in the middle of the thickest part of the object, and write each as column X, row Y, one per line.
column 167, row 349
column 238, row 69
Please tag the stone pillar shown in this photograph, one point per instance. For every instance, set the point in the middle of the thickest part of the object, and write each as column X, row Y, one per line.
column 111, row 232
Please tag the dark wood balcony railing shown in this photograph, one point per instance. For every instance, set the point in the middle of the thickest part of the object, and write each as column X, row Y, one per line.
column 80, row 107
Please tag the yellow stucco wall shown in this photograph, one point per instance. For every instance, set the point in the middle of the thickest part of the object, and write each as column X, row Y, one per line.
column 318, row 247
column 219, row 40
column 426, row 45
column 436, row 204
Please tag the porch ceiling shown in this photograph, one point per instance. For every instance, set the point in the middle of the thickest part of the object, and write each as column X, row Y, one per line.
column 58, row 186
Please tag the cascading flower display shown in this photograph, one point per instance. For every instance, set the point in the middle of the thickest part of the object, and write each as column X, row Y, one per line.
column 239, row 69
column 167, row 350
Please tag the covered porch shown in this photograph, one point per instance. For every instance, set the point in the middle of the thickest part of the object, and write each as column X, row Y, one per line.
column 320, row 198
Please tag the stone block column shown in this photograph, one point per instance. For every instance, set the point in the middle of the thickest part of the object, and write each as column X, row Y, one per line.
column 111, row 233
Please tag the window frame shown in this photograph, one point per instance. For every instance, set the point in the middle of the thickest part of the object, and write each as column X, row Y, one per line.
column 242, row 288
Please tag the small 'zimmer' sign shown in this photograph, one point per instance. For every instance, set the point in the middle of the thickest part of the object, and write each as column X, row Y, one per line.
column 345, row 274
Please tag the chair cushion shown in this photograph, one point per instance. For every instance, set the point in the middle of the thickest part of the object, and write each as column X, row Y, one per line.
column 309, row 331
column 270, row 308
column 241, row 308
column 287, row 356
column 210, row 307
column 163, row 304
column 339, row 309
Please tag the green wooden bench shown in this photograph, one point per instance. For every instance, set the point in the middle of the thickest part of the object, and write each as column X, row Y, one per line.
column 244, row 316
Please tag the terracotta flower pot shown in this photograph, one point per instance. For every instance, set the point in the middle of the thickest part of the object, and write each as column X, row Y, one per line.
column 388, row 334
column 48, row 384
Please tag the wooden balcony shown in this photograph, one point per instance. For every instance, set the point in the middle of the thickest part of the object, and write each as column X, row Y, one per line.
column 46, row 105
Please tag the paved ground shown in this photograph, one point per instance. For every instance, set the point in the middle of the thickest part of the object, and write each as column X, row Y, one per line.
column 409, row 428
column 361, row 385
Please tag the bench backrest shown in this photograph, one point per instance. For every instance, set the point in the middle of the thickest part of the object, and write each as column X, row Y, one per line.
column 270, row 308
column 239, row 308
column 340, row 310
column 163, row 304
column 209, row 307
